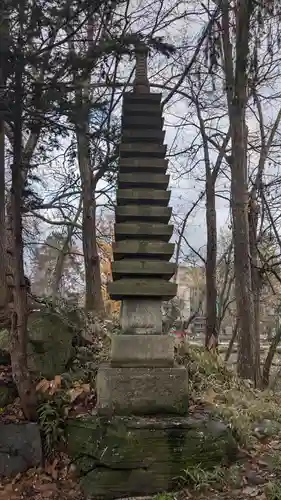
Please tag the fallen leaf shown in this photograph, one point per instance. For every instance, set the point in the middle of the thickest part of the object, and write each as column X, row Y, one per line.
column 51, row 469
column 78, row 391
column 43, row 385
column 251, row 491
column 210, row 396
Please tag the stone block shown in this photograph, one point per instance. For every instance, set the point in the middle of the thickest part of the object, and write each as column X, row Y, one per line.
column 130, row 456
column 141, row 316
column 156, row 181
column 143, row 196
column 143, row 268
column 136, row 287
column 142, row 391
column 141, row 135
column 135, row 149
column 141, row 109
column 143, row 230
column 131, row 121
column 143, row 213
column 145, row 98
column 147, row 165
column 142, row 350
column 20, row 448
column 142, row 248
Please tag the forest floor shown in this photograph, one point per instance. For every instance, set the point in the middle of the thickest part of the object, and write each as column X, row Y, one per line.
column 254, row 416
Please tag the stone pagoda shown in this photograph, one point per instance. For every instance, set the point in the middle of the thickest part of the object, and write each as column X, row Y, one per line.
column 140, row 439
column 142, row 377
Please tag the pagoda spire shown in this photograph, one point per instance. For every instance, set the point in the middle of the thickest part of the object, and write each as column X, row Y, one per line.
column 141, row 83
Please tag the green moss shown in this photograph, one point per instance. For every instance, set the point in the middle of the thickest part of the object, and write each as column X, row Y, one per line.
column 155, row 451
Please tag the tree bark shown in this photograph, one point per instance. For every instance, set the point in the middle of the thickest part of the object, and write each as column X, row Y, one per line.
column 93, row 299
column 211, row 262
column 19, row 313
column 4, row 46
column 236, row 84
column 269, row 358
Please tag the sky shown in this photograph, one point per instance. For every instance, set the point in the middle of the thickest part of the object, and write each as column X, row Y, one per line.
column 184, row 188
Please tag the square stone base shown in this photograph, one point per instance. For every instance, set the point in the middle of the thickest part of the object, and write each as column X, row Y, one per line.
column 142, row 390
column 142, row 350
column 130, row 456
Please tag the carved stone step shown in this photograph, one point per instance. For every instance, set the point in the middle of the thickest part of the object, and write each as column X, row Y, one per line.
column 132, row 121
column 157, row 181
column 126, row 288
column 136, row 149
column 129, row 230
column 139, row 135
column 143, row 196
column 149, row 98
column 142, row 109
column 143, row 213
column 143, row 249
column 143, row 268
column 147, row 165
column 142, row 350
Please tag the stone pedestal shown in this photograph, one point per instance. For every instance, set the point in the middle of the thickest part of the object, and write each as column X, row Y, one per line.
column 142, row 390
column 130, row 456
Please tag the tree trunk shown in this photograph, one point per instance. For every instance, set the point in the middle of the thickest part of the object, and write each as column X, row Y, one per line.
column 211, row 263
column 256, row 283
column 269, row 358
column 19, row 313
column 4, row 45
column 94, row 299
column 236, row 84
column 231, row 343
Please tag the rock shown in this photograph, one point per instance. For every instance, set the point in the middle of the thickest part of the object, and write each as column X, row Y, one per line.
column 50, row 343
column 142, row 455
column 8, row 392
column 254, row 478
column 20, row 448
column 266, row 428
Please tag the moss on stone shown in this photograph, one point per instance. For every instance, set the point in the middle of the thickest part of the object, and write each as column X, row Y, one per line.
column 155, row 451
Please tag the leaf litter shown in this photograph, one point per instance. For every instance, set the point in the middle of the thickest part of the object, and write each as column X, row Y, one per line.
column 254, row 416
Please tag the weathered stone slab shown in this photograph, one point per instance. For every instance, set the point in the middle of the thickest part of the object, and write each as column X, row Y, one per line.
column 141, row 230
column 143, row 268
column 140, row 135
column 20, row 448
column 142, row 248
column 141, row 317
column 131, row 121
column 142, row 288
column 145, row 149
column 50, row 343
column 142, row 391
column 143, row 456
column 143, row 213
column 157, row 181
column 141, row 109
column 142, row 350
column 143, row 196
column 150, row 165
column 135, row 98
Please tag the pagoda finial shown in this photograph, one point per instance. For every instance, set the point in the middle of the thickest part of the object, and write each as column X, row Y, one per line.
column 141, row 83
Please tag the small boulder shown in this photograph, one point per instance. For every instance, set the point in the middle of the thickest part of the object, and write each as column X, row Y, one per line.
column 50, row 343
column 49, row 347
column 8, row 392
column 20, row 448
